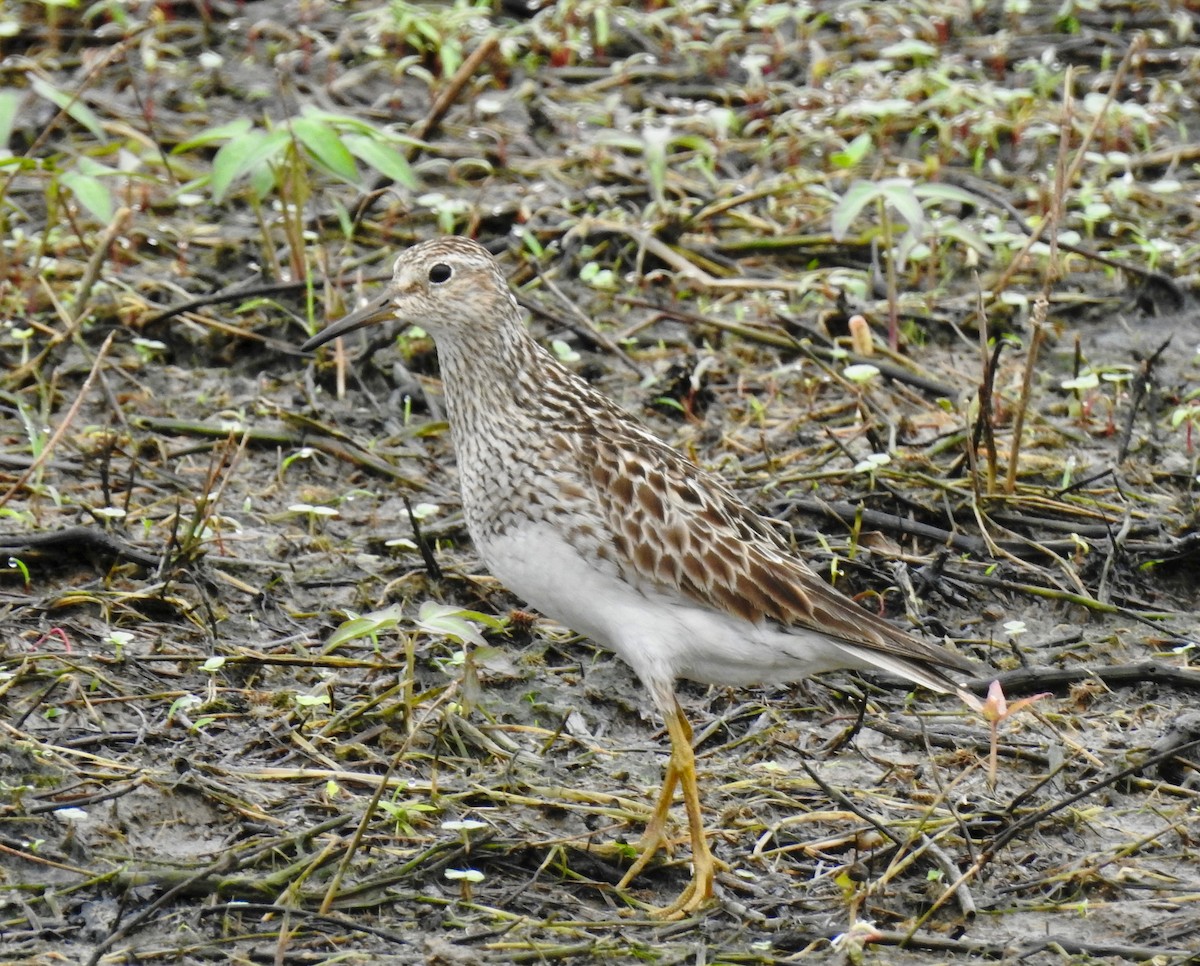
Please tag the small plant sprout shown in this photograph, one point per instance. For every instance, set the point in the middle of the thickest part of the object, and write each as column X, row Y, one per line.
column 597, row 277
column 464, row 825
column 465, row 878
column 404, row 814
column 852, row 153
column 1093, row 213
column 16, row 563
column 1085, row 380
column 893, row 198
column 873, row 462
column 177, row 713
column 312, row 700
column 531, row 242
column 655, row 139
column 213, row 664
column 861, row 372
column 325, row 141
column 314, row 513
column 1188, row 416
column 995, row 709
column 369, row 625
column 1068, row 472
column 1083, row 386
column 304, row 453
column 563, row 351
column 1117, row 376
column 149, row 349
column 455, row 622
column 23, row 336
column 88, row 183
column 119, row 640
column 1082, row 547
column 459, row 626
column 448, row 210
column 423, row 511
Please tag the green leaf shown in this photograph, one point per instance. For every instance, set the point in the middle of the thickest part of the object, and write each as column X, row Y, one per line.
column 900, row 195
column 9, row 102
column 368, row 625
column 312, row 700
column 346, row 122
column 532, row 243
column 383, row 158
column 946, row 192
column 878, row 109
column 860, row 372
column 94, row 169
column 448, row 621
column 654, row 155
column 857, row 197
column 213, row 135
column 563, row 351
column 241, row 156
column 262, row 181
column 75, row 108
column 464, row 875
column 910, row 49
column 619, row 139
column 854, row 152
column 90, row 192
column 963, row 234
column 1085, row 380
column 326, row 147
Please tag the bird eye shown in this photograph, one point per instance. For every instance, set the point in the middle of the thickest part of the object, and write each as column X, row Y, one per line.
column 440, row 273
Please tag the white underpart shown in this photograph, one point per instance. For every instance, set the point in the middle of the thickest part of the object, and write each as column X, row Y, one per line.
column 663, row 638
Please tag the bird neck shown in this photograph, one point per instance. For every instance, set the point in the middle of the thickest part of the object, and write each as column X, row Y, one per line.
column 502, row 377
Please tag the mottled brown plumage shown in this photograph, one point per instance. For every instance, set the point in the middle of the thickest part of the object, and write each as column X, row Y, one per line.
column 602, row 526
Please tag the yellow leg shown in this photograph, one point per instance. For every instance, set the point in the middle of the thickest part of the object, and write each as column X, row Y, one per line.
column 681, row 770
column 655, row 836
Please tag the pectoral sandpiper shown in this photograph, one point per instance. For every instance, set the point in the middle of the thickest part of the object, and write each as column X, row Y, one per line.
column 600, row 525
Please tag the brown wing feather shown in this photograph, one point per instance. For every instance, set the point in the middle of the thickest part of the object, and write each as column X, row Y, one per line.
column 676, row 527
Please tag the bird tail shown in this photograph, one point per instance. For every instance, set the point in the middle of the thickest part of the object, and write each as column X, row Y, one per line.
column 927, row 675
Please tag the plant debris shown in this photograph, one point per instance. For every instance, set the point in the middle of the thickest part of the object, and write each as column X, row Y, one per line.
column 918, row 280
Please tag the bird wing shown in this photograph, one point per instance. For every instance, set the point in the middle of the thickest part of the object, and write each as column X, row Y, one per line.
column 677, row 528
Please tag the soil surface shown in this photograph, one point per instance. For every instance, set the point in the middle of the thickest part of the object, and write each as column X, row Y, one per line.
column 202, row 760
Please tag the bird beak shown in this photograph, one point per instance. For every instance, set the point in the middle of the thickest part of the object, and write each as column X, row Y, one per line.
column 379, row 309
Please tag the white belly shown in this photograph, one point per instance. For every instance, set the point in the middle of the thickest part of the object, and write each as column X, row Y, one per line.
column 661, row 637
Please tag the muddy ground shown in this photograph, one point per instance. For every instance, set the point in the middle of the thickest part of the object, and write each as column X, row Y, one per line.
column 692, row 200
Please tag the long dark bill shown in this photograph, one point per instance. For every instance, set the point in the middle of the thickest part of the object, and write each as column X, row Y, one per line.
column 378, row 309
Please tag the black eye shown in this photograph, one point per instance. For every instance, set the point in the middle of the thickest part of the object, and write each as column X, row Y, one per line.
column 440, row 272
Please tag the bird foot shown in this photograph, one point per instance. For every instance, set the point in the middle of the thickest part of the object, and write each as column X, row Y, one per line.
column 696, row 894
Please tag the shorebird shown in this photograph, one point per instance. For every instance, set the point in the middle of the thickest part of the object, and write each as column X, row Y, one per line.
column 600, row 525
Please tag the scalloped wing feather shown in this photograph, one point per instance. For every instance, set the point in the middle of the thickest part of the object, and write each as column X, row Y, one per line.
column 678, row 528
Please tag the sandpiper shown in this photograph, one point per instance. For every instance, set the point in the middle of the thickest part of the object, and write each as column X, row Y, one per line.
column 598, row 524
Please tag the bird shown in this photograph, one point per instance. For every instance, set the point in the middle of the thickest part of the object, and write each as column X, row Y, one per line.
column 598, row 524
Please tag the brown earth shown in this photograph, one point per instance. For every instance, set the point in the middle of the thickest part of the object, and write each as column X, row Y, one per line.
column 191, row 770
